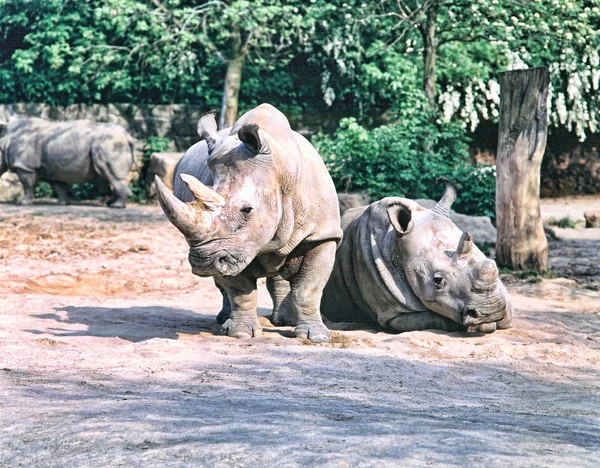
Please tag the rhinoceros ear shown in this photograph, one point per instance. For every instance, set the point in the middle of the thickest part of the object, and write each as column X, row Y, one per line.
column 207, row 129
column 400, row 216
column 250, row 136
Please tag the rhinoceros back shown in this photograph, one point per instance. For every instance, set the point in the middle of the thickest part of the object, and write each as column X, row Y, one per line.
column 366, row 283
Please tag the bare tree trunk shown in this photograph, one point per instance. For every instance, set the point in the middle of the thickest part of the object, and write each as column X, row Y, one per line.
column 233, row 81
column 430, row 46
column 522, row 137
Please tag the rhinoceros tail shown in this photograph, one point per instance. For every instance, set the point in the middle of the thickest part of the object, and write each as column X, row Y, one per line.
column 131, row 142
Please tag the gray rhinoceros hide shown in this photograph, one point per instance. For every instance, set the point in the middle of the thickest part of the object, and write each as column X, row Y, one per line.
column 256, row 200
column 67, row 153
column 410, row 268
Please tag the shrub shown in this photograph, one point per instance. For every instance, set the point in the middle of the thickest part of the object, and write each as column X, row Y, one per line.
column 563, row 223
column 153, row 144
column 405, row 159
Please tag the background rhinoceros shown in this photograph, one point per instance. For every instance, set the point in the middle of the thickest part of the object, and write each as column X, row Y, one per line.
column 410, row 268
column 272, row 211
column 65, row 153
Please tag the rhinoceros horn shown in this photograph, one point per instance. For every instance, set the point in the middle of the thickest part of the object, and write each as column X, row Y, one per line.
column 203, row 194
column 181, row 215
column 442, row 208
column 207, row 129
column 465, row 246
column 485, row 273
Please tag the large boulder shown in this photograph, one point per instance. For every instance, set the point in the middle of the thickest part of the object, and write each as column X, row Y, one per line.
column 480, row 227
column 352, row 200
column 592, row 219
column 11, row 188
column 161, row 165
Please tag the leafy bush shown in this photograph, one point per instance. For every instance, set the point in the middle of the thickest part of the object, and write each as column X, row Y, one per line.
column 563, row 223
column 153, row 144
column 43, row 190
column 405, row 159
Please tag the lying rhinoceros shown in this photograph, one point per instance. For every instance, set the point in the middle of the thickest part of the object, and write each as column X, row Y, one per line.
column 272, row 210
column 65, row 153
column 408, row 268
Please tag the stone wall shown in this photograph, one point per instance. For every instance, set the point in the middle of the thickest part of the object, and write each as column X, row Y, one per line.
column 177, row 122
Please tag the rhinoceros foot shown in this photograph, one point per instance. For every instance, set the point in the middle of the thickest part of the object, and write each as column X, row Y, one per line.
column 242, row 328
column 283, row 318
column 315, row 332
column 223, row 315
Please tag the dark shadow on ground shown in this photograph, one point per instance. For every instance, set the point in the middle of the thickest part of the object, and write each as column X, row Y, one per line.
column 282, row 409
column 137, row 324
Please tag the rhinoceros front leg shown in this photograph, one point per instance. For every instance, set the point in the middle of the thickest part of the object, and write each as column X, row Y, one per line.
column 28, row 180
column 283, row 311
column 225, row 312
column 243, row 321
column 306, row 291
column 425, row 320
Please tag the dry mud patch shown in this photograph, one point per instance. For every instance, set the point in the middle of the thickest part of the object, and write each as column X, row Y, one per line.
column 109, row 355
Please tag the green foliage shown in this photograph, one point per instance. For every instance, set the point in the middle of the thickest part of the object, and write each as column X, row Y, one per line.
column 154, row 144
column 43, row 190
column 405, row 159
column 88, row 191
column 476, row 189
column 565, row 222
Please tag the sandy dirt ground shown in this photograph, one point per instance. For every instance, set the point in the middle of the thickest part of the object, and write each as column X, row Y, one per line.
column 110, row 356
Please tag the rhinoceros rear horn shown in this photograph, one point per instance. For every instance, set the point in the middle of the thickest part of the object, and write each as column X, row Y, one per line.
column 181, row 215
column 207, row 129
column 203, row 194
column 465, row 245
column 442, row 207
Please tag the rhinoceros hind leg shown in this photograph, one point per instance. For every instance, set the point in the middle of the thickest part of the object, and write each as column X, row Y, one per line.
column 28, row 180
column 283, row 312
column 426, row 320
column 62, row 190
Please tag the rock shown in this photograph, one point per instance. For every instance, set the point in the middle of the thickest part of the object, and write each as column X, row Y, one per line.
column 162, row 165
column 352, row 200
column 592, row 219
column 480, row 227
column 11, row 189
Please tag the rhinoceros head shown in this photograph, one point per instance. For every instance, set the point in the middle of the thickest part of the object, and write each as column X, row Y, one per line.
column 230, row 223
column 443, row 266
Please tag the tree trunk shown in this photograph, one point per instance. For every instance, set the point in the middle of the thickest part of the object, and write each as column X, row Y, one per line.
column 233, row 81
column 522, row 134
column 430, row 45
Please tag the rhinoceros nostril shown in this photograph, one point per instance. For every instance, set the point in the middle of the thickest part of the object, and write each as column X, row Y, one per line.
column 474, row 313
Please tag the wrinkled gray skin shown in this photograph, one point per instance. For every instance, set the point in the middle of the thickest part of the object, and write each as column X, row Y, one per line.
column 64, row 153
column 255, row 200
column 408, row 268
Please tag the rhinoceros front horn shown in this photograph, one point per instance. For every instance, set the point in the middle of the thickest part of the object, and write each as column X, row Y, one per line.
column 485, row 273
column 181, row 215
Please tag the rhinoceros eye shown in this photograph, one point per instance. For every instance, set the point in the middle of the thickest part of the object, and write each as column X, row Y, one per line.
column 246, row 211
column 439, row 280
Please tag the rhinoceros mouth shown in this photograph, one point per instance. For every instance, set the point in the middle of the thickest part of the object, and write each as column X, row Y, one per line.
column 478, row 316
column 224, row 264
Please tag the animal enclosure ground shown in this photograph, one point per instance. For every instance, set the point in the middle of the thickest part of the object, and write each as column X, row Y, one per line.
column 109, row 355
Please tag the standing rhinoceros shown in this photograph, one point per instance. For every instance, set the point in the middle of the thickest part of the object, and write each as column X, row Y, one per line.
column 272, row 211
column 63, row 153
column 408, row 268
